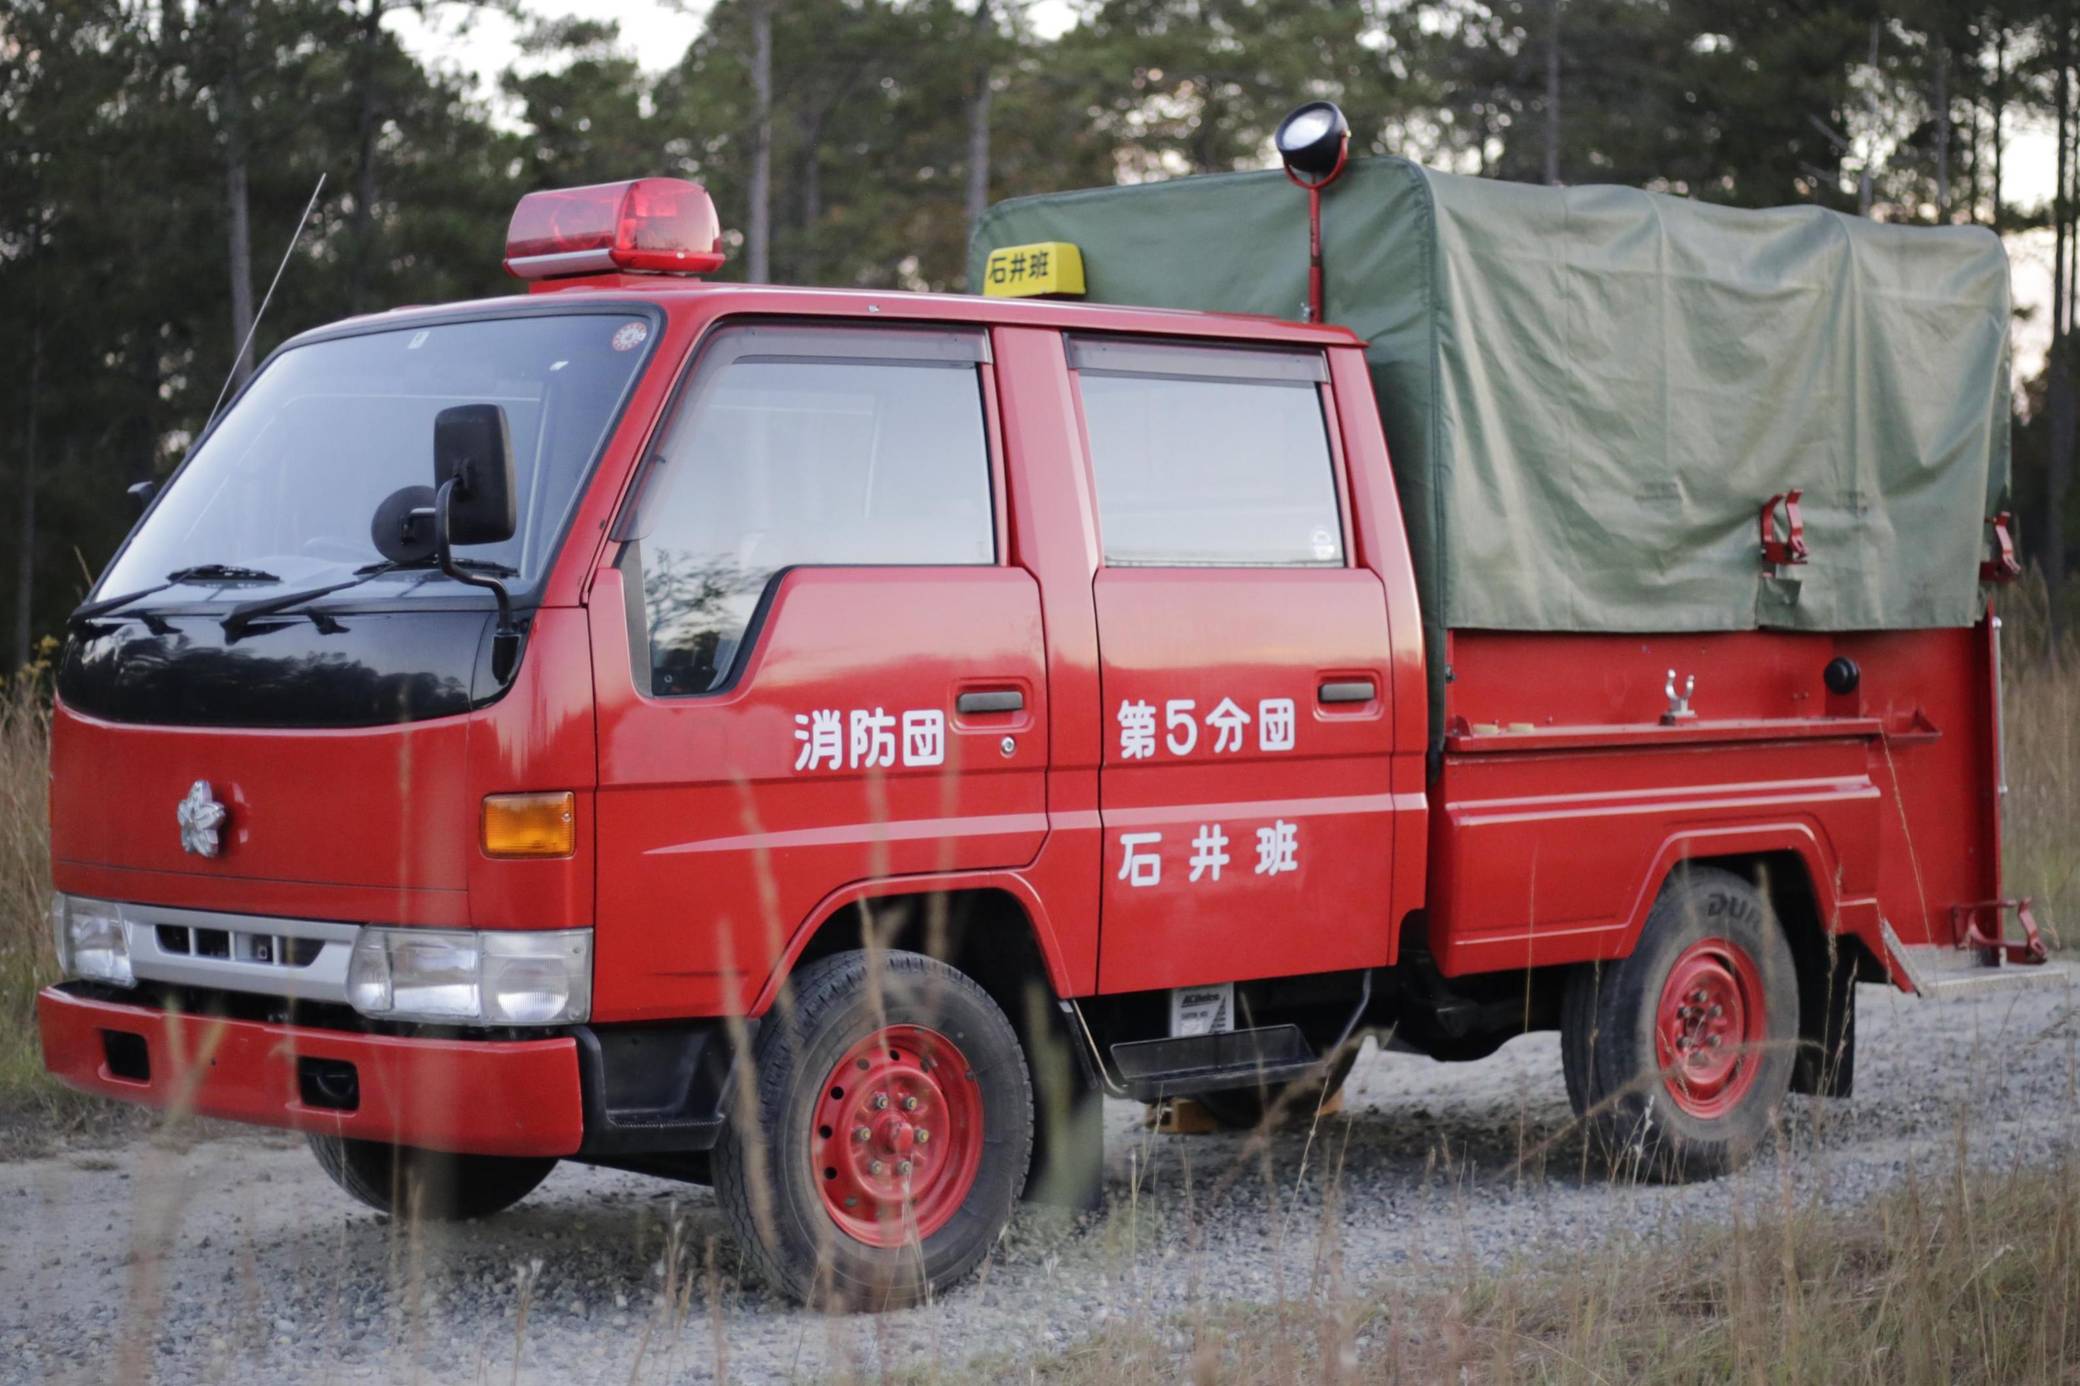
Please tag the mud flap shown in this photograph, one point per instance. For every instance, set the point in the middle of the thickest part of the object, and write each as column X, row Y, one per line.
column 1068, row 1168
column 1826, row 1064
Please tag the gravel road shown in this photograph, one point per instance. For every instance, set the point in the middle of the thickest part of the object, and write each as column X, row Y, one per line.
column 234, row 1259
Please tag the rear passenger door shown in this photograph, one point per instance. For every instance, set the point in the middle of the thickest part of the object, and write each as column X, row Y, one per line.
column 1243, row 670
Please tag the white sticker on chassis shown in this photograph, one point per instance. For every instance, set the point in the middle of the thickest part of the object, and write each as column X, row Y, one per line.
column 1202, row 1010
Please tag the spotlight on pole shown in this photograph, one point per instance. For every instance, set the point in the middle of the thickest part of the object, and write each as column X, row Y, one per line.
column 1314, row 142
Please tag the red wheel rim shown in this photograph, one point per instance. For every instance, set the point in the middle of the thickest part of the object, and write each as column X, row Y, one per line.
column 1709, row 1027
column 897, row 1137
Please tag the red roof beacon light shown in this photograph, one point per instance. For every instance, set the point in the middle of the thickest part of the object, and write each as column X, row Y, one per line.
column 653, row 225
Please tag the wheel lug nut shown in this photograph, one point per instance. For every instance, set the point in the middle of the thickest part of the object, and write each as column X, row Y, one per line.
column 880, row 1101
column 861, row 1133
column 923, row 1135
column 1718, row 1011
column 903, row 1167
column 876, row 1167
column 1713, row 1042
column 909, row 1104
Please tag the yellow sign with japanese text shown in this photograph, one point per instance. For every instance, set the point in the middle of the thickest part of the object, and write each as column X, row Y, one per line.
column 1033, row 271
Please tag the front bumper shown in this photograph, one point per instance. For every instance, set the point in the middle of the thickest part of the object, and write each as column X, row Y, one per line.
column 481, row 1097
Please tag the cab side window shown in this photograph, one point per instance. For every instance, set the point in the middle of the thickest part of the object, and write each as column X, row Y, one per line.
column 802, row 445
column 1208, row 456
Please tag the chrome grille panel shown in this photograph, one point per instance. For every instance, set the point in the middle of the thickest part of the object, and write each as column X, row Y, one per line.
column 304, row 959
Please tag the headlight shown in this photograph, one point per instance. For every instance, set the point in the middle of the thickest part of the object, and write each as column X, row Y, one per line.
column 471, row 977
column 91, row 939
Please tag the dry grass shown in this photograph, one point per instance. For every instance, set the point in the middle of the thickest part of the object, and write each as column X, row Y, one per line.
column 26, row 957
column 32, row 1107
column 2042, row 711
column 2042, row 717
column 1969, row 1278
column 1959, row 1278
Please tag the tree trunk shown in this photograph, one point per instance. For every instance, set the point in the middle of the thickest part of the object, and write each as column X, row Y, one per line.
column 1866, row 177
column 979, row 100
column 2000, row 111
column 2070, row 30
column 25, row 523
column 238, row 205
column 758, row 265
column 362, row 224
column 1971, row 150
column 2058, row 469
column 1553, row 95
column 1942, row 104
column 2059, row 323
column 806, row 268
column 2058, row 477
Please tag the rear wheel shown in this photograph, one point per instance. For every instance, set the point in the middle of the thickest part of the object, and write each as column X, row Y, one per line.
column 1677, row 1056
column 428, row 1183
column 1241, row 1109
column 894, row 1134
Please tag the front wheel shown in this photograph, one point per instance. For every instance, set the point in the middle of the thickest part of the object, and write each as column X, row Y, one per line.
column 427, row 1183
column 1678, row 1056
column 894, row 1130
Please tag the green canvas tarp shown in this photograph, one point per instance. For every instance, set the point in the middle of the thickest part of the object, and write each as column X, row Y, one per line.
column 1590, row 392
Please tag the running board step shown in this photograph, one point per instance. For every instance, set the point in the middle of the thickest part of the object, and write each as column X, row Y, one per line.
column 1934, row 969
column 1157, row 1068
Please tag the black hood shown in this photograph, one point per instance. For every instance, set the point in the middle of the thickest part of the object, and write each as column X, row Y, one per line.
column 324, row 669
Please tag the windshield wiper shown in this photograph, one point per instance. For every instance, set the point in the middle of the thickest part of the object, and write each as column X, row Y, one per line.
column 245, row 613
column 200, row 572
column 88, row 611
column 432, row 565
column 220, row 572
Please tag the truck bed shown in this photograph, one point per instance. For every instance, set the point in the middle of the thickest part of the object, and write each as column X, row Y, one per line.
column 1561, row 772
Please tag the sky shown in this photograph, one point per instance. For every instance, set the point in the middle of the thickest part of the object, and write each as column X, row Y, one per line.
column 657, row 30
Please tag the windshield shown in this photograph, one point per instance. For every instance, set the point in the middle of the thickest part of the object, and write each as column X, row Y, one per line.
column 281, row 495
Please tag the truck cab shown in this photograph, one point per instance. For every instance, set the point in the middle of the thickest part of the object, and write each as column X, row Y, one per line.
column 820, row 742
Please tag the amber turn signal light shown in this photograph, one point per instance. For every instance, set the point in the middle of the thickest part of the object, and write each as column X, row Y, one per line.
column 530, row 825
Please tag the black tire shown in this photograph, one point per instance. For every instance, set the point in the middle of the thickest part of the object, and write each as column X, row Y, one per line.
column 1640, row 1110
column 428, row 1183
column 767, row 1180
column 1243, row 1109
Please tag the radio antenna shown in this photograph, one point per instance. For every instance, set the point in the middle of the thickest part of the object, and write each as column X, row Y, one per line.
column 267, row 298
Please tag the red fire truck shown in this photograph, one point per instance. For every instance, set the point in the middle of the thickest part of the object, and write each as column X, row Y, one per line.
column 820, row 742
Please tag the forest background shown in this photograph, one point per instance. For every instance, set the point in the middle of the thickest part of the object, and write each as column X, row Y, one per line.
column 155, row 156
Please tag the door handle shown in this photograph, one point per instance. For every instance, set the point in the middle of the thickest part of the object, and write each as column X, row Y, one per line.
column 991, row 700
column 1346, row 691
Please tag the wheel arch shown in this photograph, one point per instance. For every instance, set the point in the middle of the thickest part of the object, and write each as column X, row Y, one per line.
column 992, row 929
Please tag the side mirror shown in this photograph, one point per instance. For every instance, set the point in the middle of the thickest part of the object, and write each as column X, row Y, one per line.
column 473, row 449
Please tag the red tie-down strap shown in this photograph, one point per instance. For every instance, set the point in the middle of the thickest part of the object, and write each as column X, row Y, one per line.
column 2001, row 567
column 1792, row 547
